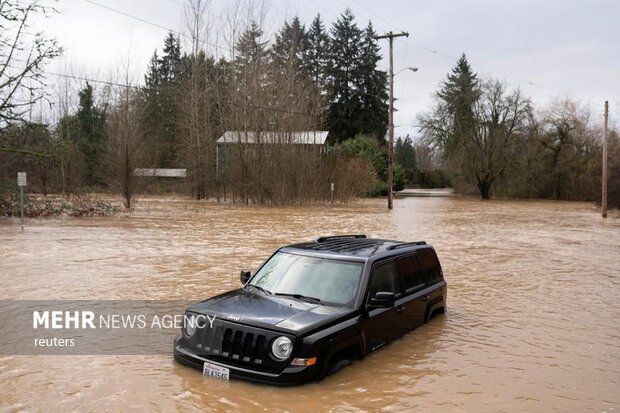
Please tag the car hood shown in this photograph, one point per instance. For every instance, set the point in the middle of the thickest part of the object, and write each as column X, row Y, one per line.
column 273, row 312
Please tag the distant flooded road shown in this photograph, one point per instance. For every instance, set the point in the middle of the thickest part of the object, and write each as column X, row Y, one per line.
column 533, row 321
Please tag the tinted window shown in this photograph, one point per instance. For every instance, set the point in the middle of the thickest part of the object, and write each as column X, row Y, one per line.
column 384, row 278
column 408, row 271
column 429, row 265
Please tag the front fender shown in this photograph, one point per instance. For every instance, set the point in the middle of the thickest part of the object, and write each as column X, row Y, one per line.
column 326, row 343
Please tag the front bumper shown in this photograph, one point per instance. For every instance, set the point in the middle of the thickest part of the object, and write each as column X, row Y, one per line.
column 290, row 376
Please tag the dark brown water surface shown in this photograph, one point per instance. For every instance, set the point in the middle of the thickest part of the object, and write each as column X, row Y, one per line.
column 533, row 320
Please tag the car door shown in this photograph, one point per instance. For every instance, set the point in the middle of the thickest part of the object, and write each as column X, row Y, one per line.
column 414, row 299
column 431, row 274
column 382, row 325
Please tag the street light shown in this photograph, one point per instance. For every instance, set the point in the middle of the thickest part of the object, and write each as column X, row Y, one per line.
column 391, row 131
column 412, row 68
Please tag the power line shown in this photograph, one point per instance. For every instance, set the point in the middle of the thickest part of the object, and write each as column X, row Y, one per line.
column 448, row 56
column 143, row 88
column 424, row 48
column 324, row 8
column 145, row 21
column 253, row 106
column 204, row 13
column 372, row 13
column 92, row 80
column 217, row 16
column 488, row 69
column 140, row 19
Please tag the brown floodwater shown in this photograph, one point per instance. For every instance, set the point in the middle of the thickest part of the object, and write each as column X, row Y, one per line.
column 533, row 320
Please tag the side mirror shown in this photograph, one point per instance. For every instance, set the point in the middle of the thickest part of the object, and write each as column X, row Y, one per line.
column 244, row 277
column 383, row 299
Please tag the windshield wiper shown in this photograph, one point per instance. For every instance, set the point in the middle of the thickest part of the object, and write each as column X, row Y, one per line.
column 302, row 297
column 258, row 287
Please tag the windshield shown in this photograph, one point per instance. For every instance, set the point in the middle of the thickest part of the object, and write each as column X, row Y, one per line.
column 331, row 281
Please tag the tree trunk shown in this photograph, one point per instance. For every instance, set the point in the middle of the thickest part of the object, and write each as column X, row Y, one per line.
column 62, row 175
column 127, row 183
column 44, row 179
column 557, row 185
column 484, row 187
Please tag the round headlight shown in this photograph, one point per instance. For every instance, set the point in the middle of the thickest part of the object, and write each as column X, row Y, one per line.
column 190, row 325
column 282, row 347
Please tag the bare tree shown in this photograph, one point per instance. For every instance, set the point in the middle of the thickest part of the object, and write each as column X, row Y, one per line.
column 69, row 159
column 424, row 157
column 563, row 131
column 498, row 119
column 199, row 97
column 127, row 148
column 23, row 54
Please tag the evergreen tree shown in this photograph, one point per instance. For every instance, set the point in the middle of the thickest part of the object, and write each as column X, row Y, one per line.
column 90, row 139
column 404, row 155
column 249, row 71
column 458, row 95
column 199, row 121
column 251, row 60
column 290, row 48
column 372, row 87
column 451, row 126
column 251, row 49
column 160, row 115
column 477, row 127
column 316, row 58
column 343, row 69
column 170, row 63
column 152, row 79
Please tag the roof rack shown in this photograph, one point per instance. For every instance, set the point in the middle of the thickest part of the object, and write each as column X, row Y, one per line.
column 323, row 239
column 405, row 244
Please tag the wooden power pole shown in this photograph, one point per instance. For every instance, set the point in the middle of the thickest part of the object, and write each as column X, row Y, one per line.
column 390, row 36
column 604, row 179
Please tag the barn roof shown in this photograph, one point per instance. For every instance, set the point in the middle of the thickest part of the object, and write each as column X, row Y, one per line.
column 166, row 173
column 302, row 137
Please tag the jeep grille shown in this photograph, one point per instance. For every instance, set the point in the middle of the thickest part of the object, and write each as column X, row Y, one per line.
column 236, row 344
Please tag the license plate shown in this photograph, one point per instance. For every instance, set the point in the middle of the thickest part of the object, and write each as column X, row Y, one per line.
column 213, row 370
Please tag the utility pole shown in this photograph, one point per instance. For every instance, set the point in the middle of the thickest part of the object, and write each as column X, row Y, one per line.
column 604, row 180
column 390, row 36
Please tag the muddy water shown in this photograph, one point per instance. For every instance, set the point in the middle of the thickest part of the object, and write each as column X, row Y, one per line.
column 533, row 320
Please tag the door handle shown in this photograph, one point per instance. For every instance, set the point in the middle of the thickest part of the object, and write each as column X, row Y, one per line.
column 400, row 309
column 425, row 298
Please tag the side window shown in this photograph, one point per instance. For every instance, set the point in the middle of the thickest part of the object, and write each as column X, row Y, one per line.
column 383, row 278
column 429, row 265
column 408, row 271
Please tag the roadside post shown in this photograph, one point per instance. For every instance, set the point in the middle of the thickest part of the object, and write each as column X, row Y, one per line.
column 604, row 177
column 21, row 182
column 332, row 192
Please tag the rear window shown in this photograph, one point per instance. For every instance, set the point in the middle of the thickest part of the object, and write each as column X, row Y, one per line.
column 408, row 271
column 429, row 265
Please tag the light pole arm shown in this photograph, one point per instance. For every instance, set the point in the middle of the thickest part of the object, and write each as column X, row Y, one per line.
column 413, row 69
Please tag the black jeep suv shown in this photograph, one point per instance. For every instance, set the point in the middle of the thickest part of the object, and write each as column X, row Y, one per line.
column 312, row 308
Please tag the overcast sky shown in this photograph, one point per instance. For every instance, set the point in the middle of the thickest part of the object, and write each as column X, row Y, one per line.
column 548, row 48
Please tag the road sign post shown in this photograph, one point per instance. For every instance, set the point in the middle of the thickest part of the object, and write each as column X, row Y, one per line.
column 21, row 182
